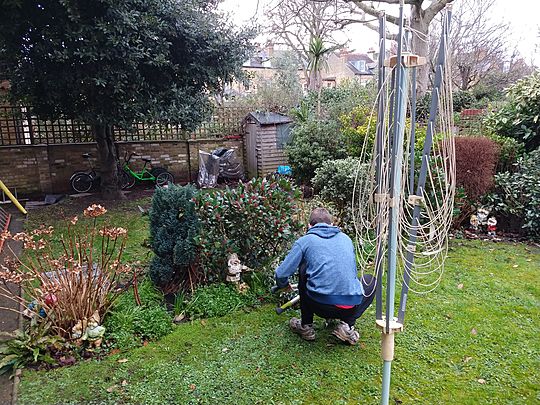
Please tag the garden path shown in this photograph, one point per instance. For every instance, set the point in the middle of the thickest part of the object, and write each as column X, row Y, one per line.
column 9, row 320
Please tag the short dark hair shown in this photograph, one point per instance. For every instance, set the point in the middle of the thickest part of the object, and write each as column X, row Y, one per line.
column 320, row 215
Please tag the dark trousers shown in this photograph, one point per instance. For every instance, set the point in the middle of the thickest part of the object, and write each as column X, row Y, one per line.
column 308, row 307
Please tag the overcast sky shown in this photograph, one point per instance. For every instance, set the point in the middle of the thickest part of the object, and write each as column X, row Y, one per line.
column 521, row 14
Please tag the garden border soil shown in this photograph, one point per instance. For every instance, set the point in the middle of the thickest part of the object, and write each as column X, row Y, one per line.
column 10, row 321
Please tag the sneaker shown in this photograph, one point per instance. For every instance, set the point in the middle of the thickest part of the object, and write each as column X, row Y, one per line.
column 346, row 333
column 306, row 332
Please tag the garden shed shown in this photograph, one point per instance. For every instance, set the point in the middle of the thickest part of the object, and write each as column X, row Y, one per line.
column 267, row 133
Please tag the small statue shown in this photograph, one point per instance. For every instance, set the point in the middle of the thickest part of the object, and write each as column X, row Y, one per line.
column 474, row 222
column 492, row 226
column 88, row 330
column 482, row 215
column 234, row 269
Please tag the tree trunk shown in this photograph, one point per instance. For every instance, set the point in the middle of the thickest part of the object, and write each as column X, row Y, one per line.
column 107, row 158
column 420, row 47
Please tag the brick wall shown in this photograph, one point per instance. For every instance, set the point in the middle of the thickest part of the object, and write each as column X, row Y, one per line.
column 41, row 169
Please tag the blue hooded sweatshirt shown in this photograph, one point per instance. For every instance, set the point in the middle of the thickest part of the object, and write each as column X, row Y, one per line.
column 330, row 262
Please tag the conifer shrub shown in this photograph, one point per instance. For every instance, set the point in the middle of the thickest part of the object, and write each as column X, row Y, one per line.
column 173, row 228
column 256, row 220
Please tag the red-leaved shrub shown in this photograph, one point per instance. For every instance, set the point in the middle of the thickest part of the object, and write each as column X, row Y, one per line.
column 476, row 159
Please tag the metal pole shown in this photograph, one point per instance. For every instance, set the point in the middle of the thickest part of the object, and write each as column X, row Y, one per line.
column 409, row 258
column 380, row 153
column 387, row 343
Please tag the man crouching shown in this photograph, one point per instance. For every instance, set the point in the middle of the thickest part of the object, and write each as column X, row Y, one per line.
column 328, row 283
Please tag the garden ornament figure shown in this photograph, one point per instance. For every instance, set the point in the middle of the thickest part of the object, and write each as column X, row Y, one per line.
column 482, row 215
column 235, row 268
column 492, row 226
column 88, row 330
column 474, row 222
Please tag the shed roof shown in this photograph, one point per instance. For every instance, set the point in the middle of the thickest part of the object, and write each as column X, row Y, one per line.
column 269, row 118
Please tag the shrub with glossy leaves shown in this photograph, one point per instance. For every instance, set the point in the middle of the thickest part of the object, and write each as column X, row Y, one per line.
column 256, row 220
column 518, row 194
column 519, row 118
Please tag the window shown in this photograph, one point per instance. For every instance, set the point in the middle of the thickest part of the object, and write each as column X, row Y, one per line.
column 283, row 134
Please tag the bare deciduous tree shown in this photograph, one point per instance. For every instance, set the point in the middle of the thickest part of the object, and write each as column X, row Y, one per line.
column 296, row 23
column 480, row 47
column 422, row 15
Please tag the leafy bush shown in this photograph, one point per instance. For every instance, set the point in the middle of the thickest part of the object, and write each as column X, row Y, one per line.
column 217, row 300
column 519, row 118
column 255, row 220
column 518, row 194
column 509, row 152
column 24, row 348
column 335, row 181
column 312, row 143
column 361, row 123
column 342, row 99
column 129, row 324
column 359, row 128
column 173, row 227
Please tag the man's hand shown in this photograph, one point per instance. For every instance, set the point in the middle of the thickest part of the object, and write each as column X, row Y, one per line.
column 287, row 288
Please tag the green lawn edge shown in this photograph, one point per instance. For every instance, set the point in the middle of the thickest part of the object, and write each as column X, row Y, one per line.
column 454, row 338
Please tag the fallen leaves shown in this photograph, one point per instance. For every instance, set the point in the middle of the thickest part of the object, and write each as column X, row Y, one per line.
column 122, row 361
column 460, row 286
column 481, row 381
column 474, row 331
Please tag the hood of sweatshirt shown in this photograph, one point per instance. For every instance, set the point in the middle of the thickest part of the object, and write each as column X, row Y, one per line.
column 324, row 231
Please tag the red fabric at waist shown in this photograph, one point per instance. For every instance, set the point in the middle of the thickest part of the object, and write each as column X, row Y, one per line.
column 345, row 306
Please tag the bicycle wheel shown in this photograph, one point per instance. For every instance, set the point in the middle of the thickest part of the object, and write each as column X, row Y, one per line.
column 156, row 171
column 81, row 182
column 126, row 180
column 164, row 178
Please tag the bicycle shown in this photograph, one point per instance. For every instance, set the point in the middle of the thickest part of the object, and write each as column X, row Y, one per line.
column 83, row 181
column 158, row 175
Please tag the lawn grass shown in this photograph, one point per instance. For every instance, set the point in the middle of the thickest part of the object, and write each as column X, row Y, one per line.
column 488, row 331
column 125, row 214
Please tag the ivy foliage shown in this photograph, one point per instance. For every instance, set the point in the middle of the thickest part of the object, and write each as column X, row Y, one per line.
column 173, row 228
column 519, row 117
column 119, row 61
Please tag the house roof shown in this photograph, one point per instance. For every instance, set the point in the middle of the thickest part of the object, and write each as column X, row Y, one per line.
column 354, row 60
column 269, row 118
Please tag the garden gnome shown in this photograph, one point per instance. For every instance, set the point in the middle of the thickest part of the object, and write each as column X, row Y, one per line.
column 474, row 222
column 94, row 330
column 482, row 215
column 492, row 226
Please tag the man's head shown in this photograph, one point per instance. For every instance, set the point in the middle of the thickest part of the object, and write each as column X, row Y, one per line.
column 320, row 216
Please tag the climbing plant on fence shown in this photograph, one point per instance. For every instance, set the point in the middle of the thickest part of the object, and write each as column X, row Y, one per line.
column 256, row 220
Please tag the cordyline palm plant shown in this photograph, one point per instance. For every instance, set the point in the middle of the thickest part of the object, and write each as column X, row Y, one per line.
column 67, row 287
column 318, row 54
